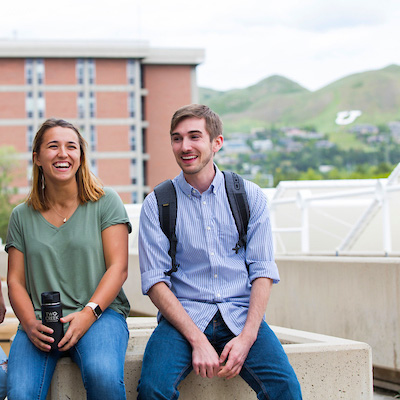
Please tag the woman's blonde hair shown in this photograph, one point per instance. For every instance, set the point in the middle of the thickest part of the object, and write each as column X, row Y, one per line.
column 89, row 186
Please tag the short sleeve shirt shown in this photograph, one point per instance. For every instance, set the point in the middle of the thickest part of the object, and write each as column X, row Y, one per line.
column 68, row 259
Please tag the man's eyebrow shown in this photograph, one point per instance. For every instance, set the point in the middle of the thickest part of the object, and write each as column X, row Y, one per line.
column 193, row 131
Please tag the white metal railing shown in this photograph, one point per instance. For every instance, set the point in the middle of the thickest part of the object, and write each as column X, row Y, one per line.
column 365, row 198
column 373, row 195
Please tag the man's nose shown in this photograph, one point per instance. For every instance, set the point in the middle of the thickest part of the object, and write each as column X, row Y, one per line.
column 186, row 145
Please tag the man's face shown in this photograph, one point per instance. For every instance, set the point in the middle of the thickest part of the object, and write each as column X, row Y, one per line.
column 192, row 147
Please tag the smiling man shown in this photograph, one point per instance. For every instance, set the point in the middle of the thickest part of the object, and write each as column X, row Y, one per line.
column 211, row 309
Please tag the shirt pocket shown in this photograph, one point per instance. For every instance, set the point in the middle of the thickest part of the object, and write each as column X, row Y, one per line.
column 227, row 236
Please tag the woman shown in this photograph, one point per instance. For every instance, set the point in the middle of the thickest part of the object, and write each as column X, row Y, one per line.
column 70, row 236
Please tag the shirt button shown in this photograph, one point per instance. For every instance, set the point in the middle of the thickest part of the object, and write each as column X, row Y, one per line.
column 216, row 276
column 208, row 228
column 204, row 202
column 212, row 253
column 218, row 295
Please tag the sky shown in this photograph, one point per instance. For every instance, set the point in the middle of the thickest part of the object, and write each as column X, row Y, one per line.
column 313, row 42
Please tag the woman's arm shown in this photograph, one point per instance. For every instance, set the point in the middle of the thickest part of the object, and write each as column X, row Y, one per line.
column 115, row 247
column 3, row 309
column 21, row 303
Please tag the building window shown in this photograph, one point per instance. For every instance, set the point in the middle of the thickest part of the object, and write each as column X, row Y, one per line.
column 132, row 137
column 93, row 166
column 40, row 71
column 81, row 105
column 92, row 105
column 29, row 137
column 29, row 105
column 91, row 71
column 29, row 71
column 41, row 105
column 131, row 71
column 134, row 198
column 80, row 71
column 133, row 172
column 93, row 138
column 131, row 104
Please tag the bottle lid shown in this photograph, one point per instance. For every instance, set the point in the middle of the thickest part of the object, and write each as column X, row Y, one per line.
column 50, row 297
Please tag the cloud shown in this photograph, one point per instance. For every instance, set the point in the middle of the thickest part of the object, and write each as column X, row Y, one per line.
column 311, row 41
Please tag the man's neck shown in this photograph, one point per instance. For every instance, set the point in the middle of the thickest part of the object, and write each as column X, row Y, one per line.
column 201, row 181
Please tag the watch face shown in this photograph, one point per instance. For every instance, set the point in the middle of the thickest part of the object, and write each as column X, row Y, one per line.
column 98, row 311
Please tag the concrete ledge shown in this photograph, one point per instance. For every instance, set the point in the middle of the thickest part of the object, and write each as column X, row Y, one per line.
column 327, row 368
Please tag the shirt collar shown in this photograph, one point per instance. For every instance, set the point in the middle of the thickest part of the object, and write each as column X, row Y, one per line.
column 189, row 190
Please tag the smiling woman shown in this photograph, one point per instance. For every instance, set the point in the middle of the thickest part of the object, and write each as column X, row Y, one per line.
column 69, row 237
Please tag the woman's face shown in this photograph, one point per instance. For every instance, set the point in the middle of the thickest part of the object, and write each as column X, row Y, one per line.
column 60, row 155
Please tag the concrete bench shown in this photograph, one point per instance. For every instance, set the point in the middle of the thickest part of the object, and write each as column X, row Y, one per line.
column 327, row 368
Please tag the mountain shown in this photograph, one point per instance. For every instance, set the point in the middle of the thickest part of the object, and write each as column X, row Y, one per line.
column 279, row 101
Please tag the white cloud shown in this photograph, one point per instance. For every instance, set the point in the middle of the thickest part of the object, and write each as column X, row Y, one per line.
column 312, row 42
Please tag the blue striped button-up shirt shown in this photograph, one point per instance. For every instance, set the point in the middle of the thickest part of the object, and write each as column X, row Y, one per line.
column 211, row 275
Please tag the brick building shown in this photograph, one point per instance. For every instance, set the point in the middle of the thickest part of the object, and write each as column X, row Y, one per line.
column 121, row 95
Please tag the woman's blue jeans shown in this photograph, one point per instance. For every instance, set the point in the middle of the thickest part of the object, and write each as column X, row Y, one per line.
column 100, row 355
column 168, row 360
column 3, row 374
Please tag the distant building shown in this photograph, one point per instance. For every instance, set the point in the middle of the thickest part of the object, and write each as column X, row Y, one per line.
column 235, row 146
column 364, row 129
column 121, row 95
column 262, row 145
column 302, row 134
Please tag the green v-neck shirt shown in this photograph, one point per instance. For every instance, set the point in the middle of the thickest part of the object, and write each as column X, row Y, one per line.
column 70, row 258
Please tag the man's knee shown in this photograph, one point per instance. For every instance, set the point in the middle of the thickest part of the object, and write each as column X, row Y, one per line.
column 149, row 388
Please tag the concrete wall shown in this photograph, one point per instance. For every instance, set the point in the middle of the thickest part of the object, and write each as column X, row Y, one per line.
column 327, row 368
column 357, row 298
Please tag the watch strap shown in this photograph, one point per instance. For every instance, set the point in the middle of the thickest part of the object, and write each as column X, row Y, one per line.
column 97, row 311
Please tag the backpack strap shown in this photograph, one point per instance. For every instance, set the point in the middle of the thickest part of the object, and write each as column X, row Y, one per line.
column 237, row 198
column 167, row 211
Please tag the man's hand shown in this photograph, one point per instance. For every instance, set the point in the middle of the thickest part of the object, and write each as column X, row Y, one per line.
column 235, row 352
column 205, row 360
column 79, row 323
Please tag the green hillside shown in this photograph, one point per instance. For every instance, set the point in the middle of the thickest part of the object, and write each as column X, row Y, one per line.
column 278, row 101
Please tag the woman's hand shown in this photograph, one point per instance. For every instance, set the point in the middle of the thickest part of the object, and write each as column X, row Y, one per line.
column 39, row 334
column 79, row 323
column 3, row 309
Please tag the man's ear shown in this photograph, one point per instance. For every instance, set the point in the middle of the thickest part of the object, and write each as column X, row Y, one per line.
column 217, row 143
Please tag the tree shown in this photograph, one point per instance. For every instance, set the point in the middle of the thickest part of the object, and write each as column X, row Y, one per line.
column 7, row 165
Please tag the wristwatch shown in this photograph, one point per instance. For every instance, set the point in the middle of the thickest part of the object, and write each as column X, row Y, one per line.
column 96, row 309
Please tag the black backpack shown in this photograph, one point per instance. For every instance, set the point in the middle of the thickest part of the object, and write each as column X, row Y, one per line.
column 167, row 209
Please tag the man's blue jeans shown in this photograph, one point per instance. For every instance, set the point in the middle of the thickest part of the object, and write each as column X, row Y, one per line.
column 168, row 360
column 100, row 355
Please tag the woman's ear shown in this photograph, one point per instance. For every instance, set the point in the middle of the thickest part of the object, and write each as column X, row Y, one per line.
column 36, row 159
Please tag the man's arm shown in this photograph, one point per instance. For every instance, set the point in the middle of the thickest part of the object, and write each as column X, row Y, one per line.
column 204, row 357
column 236, row 350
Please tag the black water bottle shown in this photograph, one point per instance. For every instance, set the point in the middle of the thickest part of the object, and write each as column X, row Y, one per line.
column 51, row 314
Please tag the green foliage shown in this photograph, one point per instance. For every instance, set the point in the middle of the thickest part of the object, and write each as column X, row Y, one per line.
column 280, row 101
column 7, row 164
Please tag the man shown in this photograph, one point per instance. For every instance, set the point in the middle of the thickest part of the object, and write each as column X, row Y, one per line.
column 211, row 309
